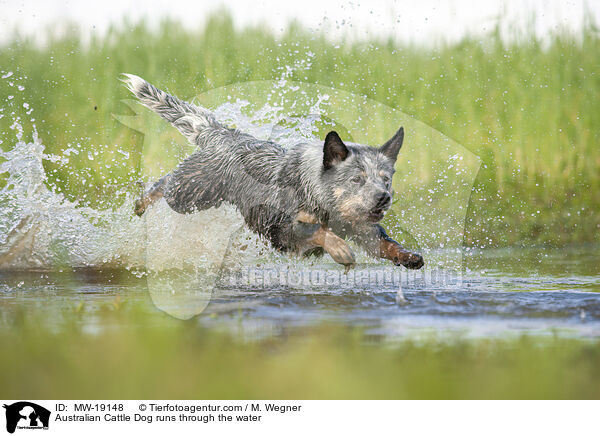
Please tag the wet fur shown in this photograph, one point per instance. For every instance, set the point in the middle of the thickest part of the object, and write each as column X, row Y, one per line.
column 307, row 197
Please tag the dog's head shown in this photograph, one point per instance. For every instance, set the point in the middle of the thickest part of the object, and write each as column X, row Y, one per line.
column 358, row 178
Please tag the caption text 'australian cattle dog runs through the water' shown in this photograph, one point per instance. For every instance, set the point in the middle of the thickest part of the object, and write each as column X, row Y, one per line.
column 306, row 199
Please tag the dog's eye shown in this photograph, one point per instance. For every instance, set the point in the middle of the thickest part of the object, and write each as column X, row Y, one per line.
column 357, row 179
column 386, row 180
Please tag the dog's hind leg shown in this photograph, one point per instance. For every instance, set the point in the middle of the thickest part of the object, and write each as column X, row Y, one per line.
column 156, row 191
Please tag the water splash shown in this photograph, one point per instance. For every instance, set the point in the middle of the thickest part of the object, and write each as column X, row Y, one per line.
column 40, row 228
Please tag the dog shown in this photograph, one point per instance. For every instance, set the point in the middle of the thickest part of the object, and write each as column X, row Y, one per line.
column 306, row 199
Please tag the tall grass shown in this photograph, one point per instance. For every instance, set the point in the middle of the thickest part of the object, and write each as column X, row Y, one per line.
column 529, row 108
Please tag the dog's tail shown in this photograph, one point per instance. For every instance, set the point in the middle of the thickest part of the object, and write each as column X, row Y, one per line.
column 191, row 120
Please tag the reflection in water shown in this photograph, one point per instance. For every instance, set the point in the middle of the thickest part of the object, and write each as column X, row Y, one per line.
column 491, row 300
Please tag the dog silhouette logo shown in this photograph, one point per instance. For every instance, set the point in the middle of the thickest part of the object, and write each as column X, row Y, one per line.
column 26, row 415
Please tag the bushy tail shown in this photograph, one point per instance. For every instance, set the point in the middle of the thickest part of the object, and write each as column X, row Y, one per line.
column 192, row 121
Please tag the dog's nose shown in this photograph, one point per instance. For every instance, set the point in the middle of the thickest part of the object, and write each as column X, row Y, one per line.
column 383, row 199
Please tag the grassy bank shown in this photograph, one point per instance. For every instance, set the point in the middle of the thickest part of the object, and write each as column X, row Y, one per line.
column 138, row 355
column 530, row 109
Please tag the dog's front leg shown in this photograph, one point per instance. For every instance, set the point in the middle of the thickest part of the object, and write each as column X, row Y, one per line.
column 376, row 241
column 317, row 235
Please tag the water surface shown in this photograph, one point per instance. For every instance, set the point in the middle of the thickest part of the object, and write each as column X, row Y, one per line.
column 500, row 293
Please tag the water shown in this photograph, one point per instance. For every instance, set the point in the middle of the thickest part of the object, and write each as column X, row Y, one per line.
column 493, row 300
column 58, row 258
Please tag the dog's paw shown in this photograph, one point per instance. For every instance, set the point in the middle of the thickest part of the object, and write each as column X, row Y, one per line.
column 339, row 250
column 342, row 254
column 139, row 208
column 414, row 261
column 408, row 259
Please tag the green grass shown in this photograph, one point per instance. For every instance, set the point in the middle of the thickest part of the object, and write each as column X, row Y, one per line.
column 529, row 108
column 142, row 355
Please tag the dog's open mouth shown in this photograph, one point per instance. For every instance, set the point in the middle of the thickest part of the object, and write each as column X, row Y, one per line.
column 376, row 214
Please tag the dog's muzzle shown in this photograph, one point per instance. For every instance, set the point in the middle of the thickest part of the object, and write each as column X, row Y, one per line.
column 384, row 201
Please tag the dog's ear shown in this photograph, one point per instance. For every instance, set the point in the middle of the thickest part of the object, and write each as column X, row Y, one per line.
column 334, row 150
column 391, row 148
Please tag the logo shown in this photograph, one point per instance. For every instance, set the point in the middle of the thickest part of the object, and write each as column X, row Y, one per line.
column 26, row 415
